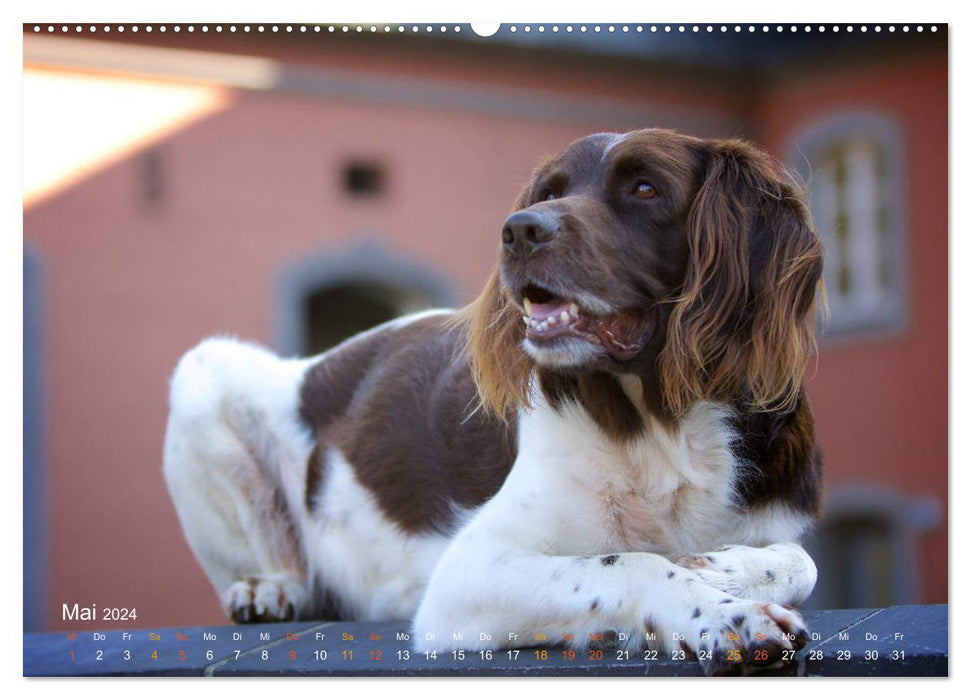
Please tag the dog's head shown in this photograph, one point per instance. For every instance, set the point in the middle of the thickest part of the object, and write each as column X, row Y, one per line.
column 691, row 263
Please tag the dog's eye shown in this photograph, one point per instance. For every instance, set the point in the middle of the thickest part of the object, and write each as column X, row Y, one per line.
column 644, row 190
column 549, row 196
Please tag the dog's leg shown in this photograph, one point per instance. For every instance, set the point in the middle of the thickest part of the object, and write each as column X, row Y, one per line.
column 781, row 573
column 489, row 594
column 222, row 463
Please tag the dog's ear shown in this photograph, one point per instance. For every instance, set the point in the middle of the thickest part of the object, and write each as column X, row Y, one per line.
column 744, row 324
column 500, row 366
column 494, row 345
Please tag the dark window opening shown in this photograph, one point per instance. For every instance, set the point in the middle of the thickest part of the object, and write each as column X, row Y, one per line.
column 363, row 179
column 334, row 314
column 866, row 548
column 860, row 552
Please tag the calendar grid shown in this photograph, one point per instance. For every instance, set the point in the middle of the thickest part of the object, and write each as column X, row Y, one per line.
column 897, row 641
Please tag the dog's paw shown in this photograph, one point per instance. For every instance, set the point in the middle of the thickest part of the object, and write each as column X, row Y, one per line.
column 264, row 599
column 780, row 573
column 722, row 574
column 737, row 637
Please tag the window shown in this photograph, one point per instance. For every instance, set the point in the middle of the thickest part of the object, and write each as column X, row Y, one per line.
column 858, row 552
column 853, row 168
column 865, row 547
column 336, row 312
column 363, row 179
column 323, row 298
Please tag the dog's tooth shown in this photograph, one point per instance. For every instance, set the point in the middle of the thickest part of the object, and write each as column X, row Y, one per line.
column 526, row 320
column 564, row 317
column 574, row 310
column 528, row 305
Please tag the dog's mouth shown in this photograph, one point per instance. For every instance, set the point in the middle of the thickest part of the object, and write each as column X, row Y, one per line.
column 550, row 317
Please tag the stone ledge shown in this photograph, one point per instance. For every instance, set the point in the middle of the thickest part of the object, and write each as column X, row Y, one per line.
column 908, row 640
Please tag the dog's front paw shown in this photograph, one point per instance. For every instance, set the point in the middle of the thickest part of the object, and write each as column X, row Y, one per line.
column 736, row 637
column 781, row 573
column 277, row 598
column 721, row 574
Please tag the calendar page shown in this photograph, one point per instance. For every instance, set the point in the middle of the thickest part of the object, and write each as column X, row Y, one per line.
column 536, row 349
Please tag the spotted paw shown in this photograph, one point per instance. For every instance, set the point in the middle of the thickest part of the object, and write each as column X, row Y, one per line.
column 264, row 599
column 738, row 637
column 781, row 573
column 717, row 573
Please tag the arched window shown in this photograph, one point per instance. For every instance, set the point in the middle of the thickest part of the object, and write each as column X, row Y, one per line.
column 325, row 298
column 853, row 164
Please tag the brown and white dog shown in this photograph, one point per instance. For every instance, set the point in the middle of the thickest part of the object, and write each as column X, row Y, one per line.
column 614, row 436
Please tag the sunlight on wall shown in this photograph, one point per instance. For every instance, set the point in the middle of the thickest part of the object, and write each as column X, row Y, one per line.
column 76, row 124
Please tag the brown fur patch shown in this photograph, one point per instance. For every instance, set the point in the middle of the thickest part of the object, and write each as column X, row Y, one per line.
column 314, row 479
column 329, row 385
column 782, row 447
column 600, row 395
column 410, row 428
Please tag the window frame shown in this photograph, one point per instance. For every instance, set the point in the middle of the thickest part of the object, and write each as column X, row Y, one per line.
column 908, row 519
column 369, row 261
column 826, row 134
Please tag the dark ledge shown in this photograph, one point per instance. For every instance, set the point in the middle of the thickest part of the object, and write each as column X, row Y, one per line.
column 907, row 640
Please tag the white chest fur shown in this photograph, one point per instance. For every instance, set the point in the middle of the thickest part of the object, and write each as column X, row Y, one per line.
column 571, row 491
column 670, row 491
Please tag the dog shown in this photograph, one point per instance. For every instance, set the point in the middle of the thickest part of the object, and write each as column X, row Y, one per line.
column 614, row 436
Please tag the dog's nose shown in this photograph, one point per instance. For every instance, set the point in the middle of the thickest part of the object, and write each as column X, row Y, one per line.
column 528, row 230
